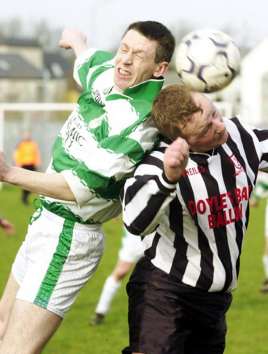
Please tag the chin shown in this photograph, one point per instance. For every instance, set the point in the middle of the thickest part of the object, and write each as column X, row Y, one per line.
column 121, row 84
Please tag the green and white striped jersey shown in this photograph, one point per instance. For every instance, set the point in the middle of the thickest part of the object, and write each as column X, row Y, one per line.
column 103, row 139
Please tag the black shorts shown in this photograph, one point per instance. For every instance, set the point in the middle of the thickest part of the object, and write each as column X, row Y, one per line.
column 170, row 318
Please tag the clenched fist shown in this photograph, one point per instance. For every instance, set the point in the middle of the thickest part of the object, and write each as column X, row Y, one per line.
column 74, row 39
column 175, row 159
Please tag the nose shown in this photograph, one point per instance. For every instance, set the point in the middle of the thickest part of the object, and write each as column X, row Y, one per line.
column 127, row 57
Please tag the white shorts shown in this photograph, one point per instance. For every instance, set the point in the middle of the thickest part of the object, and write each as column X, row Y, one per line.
column 132, row 248
column 56, row 259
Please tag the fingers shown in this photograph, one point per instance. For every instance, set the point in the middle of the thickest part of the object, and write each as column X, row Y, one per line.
column 178, row 151
column 175, row 159
column 71, row 37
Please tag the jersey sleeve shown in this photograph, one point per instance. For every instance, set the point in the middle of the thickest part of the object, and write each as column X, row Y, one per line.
column 86, row 63
column 146, row 195
column 262, row 136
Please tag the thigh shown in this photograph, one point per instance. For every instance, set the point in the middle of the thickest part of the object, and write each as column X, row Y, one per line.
column 158, row 323
column 207, row 338
column 61, row 255
column 29, row 329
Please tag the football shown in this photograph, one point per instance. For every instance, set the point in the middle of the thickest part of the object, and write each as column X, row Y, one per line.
column 207, row 60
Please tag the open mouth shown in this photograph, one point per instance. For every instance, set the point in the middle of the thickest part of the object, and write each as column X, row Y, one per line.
column 124, row 73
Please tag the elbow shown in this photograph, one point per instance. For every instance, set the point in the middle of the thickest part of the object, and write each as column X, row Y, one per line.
column 134, row 229
column 137, row 229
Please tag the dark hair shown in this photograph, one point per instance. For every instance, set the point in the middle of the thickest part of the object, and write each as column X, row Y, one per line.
column 158, row 32
column 172, row 106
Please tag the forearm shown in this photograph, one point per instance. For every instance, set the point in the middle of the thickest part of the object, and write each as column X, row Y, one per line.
column 50, row 185
column 144, row 202
column 79, row 48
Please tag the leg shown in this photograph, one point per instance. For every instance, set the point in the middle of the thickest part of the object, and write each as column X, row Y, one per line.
column 34, row 325
column 121, row 269
column 59, row 258
column 109, row 290
column 6, row 303
column 130, row 252
column 207, row 339
column 158, row 323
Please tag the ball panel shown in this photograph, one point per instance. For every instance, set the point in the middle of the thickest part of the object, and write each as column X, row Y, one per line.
column 207, row 60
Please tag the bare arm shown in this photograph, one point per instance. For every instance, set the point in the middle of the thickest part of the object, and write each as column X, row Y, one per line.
column 51, row 185
column 73, row 39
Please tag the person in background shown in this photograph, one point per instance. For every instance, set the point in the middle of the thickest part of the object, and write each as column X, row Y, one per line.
column 27, row 155
column 261, row 192
column 131, row 250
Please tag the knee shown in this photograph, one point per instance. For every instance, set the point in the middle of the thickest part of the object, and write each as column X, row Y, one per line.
column 121, row 270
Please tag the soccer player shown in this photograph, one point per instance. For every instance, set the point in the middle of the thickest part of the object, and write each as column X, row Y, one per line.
column 131, row 250
column 103, row 139
column 260, row 192
column 193, row 191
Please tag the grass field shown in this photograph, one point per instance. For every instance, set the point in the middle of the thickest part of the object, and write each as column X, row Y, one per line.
column 247, row 319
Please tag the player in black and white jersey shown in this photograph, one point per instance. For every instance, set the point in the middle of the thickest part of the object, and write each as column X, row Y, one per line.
column 194, row 192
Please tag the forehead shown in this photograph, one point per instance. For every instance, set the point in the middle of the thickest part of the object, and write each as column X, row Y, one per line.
column 138, row 41
column 202, row 101
column 200, row 119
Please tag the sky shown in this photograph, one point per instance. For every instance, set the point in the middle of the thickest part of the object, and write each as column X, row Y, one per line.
column 104, row 20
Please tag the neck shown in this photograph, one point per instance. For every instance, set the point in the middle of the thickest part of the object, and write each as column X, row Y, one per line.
column 116, row 89
column 206, row 153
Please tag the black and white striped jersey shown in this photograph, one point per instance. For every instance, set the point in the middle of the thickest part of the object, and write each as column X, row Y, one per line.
column 199, row 222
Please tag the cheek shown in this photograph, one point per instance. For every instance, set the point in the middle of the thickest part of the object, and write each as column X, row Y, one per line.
column 205, row 141
column 117, row 60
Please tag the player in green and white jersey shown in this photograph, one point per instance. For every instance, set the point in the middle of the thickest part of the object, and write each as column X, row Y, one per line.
column 99, row 145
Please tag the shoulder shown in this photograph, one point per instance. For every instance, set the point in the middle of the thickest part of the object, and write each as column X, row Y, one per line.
column 156, row 156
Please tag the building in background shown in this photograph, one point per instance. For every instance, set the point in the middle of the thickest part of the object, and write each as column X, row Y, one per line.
column 29, row 74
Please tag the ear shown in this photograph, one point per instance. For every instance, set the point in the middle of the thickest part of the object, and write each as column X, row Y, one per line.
column 161, row 69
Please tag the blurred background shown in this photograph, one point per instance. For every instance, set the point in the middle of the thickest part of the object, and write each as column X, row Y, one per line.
column 34, row 70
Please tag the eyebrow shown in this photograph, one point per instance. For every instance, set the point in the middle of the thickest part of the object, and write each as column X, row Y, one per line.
column 135, row 51
column 205, row 129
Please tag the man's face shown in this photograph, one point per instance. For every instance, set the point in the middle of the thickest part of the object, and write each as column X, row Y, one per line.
column 205, row 130
column 135, row 60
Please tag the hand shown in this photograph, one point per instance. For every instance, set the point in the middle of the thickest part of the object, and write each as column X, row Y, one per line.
column 7, row 226
column 4, row 168
column 72, row 38
column 175, row 159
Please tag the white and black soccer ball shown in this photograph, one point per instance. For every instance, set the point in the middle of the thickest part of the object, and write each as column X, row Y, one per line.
column 207, row 60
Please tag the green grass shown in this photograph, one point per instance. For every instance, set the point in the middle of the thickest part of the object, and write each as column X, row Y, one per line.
column 247, row 319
